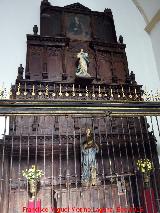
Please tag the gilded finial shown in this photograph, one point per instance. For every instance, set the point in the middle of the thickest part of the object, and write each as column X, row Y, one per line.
column 87, row 92
column 99, row 92
column 66, row 93
column 73, row 91
column 135, row 92
column 130, row 95
column 112, row 93
column 40, row 90
column 33, row 90
column 123, row 95
column 53, row 94
column 93, row 94
column 60, row 90
column 18, row 89
column 80, row 94
column 46, row 93
column 25, row 92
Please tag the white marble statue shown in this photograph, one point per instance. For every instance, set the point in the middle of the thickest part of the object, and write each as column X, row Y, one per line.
column 83, row 64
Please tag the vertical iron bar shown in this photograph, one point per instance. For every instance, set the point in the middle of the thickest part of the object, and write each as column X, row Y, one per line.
column 142, row 138
column 75, row 159
column 113, row 151
column 126, row 153
column 60, row 161
column 36, row 152
column 111, row 201
column 19, row 163
column 11, row 165
column 88, row 121
column 2, row 167
column 52, row 163
column 102, row 161
column 136, row 139
column 28, row 154
column 44, row 161
column 121, row 162
column 80, row 146
column 150, row 149
column 157, row 125
column 67, row 170
column 112, row 143
column 133, row 160
column 75, row 155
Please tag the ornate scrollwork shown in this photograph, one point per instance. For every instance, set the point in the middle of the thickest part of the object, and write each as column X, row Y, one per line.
column 36, row 50
column 53, row 51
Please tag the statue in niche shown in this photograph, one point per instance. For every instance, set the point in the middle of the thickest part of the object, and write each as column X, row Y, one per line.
column 82, row 65
column 89, row 149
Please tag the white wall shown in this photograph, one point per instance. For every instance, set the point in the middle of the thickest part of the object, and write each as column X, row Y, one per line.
column 150, row 7
column 155, row 37
column 150, row 10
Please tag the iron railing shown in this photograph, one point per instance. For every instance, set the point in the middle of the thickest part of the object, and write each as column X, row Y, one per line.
column 50, row 134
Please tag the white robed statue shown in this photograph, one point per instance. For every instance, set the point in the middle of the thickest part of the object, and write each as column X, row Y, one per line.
column 83, row 64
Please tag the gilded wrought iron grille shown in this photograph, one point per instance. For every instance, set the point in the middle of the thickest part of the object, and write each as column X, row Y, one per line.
column 79, row 133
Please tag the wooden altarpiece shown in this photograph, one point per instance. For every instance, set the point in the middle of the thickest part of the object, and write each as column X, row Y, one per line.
column 54, row 141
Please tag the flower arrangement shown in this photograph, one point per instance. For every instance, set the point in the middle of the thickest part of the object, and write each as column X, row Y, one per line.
column 32, row 174
column 145, row 165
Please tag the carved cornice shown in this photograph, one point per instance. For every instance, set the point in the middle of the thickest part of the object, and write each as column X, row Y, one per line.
column 81, row 108
column 48, row 40
column 106, row 46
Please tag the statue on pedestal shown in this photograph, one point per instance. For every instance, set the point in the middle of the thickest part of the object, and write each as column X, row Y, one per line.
column 82, row 65
column 89, row 149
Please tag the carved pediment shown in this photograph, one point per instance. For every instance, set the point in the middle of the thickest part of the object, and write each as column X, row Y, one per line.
column 77, row 6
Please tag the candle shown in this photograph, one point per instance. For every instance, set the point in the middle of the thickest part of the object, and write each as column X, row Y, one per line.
column 31, row 205
column 38, row 205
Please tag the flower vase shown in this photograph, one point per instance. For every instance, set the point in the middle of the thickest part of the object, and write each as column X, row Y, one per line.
column 33, row 188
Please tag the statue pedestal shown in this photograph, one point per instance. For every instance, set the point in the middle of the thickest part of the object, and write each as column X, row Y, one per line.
column 83, row 81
